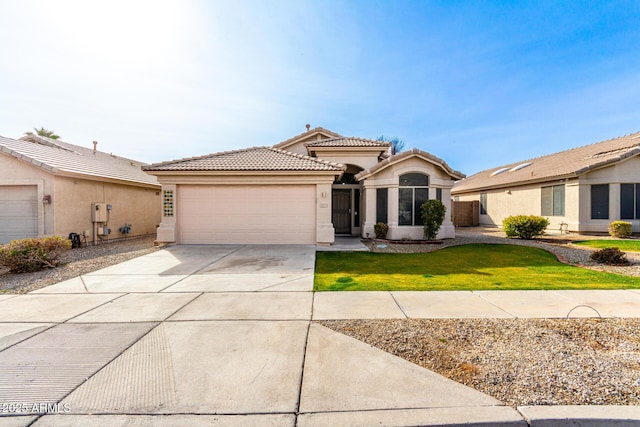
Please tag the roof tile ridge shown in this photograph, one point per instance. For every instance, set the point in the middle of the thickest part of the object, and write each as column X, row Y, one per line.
column 561, row 152
column 204, row 156
column 305, row 157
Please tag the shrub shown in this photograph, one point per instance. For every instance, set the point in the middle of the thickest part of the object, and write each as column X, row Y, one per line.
column 525, row 226
column 620, row 229
column 27, row 255
column 433, row 212
column 381, row 229
column 610, row 256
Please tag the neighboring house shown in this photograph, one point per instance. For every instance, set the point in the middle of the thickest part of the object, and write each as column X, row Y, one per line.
column 305, row 190
column 50, row 187
column 581, row 190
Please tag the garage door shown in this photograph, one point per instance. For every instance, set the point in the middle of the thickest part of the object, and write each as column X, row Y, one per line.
column 257, row 214
column 18, row 212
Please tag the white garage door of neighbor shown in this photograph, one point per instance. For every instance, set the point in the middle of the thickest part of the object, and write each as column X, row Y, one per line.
column 18, row 212
column 252, row 214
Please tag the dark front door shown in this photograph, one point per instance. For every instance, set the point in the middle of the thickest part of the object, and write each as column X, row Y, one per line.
column 341, row 214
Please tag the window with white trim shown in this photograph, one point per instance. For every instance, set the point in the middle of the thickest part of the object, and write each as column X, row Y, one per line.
column 413, row 192
column 552, row 200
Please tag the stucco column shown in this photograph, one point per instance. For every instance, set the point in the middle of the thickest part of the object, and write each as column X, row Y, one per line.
column 325, row 233
column 168, row 201
column 392, row 218
column 370, row 213
column 447, row 230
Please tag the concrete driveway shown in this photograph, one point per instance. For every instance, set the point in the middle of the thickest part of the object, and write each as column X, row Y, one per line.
column 202, row 335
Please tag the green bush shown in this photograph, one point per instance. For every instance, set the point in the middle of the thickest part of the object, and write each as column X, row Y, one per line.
column 620, row 229
column 381, row 229
column 525, row 226
column 27, row 255
column 433, row 212
column 610, row 256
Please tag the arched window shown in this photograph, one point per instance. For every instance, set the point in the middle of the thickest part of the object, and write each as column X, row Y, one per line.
column 413, row 192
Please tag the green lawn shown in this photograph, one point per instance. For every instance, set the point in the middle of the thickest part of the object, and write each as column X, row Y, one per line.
column 623, row 245
column 467, row 267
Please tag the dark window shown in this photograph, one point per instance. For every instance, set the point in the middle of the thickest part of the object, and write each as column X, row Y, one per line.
column 420, row 196
column 414, row 180
column 483, row 203
column 439, row 194
column 413, row 192
column 405, row 206
column 553, row 200
column 629, row 201
column 382, row 204
column 600, row 201
column 637, row 201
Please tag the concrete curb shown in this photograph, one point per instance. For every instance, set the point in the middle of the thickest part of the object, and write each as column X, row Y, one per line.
column 587, row 416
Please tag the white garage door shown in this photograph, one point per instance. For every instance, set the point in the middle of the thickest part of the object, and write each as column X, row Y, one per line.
column 257, row 214
column 18, row 212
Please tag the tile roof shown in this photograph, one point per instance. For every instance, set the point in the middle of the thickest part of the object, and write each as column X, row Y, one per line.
column 564, row 164
column 56, row 156
column 249, row 159
column 406, row 155
column 348, row 142
column 307, row 134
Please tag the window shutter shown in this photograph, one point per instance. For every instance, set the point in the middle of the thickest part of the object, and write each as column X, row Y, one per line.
column 626, row 201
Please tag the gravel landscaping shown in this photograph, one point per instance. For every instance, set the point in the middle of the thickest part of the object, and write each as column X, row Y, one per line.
column 77, row 262
column 519, row 361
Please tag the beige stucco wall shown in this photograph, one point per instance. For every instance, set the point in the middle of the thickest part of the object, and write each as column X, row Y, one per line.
column 325, row 233
column 17, row 172
column 73, row 198
column 389, row 178
column 526, row 199
column 626, row 172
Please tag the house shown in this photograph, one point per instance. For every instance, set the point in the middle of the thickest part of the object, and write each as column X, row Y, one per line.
column 50, row 187
column 305, row 190
column 580, row 190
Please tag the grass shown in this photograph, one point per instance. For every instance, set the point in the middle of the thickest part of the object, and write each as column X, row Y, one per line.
column 466, row 267
column 623, row 245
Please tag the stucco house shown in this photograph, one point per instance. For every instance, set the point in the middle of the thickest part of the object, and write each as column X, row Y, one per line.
column 50, row 187
column 304, row 190
column 580, row 190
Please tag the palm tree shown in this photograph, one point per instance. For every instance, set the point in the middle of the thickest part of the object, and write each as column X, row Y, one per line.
column 397, row 144
column 44, row 132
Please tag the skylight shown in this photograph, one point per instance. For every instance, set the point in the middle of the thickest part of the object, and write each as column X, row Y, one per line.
column 499, row 171
column 520, row 166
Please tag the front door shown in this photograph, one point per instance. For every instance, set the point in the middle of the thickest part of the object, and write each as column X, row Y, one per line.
column 341, row 212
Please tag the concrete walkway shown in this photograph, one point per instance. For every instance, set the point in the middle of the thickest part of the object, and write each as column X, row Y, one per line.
column 222, row 335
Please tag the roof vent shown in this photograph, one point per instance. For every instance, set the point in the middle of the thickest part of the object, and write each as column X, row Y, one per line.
column 95, row 147
column 499, row 171
column 308, row 126
column 520, row 166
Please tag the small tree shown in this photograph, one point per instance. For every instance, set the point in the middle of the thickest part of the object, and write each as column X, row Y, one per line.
column 433, row 212
column 397, row 144
column 44, row 132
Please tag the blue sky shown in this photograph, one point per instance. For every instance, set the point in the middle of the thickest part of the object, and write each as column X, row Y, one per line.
column 478, row 84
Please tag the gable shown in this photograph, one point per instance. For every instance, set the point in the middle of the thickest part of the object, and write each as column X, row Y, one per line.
column 414, row 160
column 297, row 143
